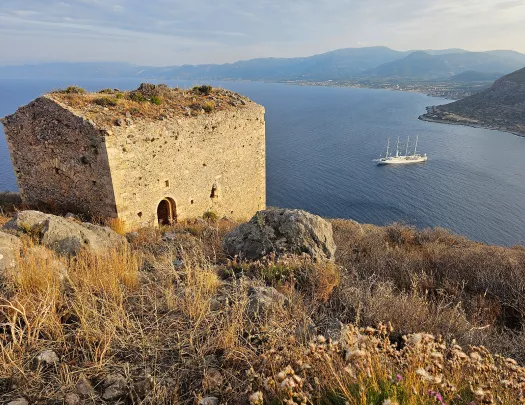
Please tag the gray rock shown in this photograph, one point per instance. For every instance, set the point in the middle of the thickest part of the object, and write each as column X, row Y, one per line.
column 48, row 357
column 115, row 387
column 333, row 329
column 9, row 249
column 209, row 401
column 64, row 236
column 282, row 231
column 263, row 301
column 72, row 399
column 132, row 236
column 19, row 401
column 84, row 388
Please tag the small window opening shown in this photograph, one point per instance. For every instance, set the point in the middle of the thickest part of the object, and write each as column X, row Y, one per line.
column 94, row 182
column 191, row 202
column 213, row 193
column 167, row 182
column 57, row 171
column 140, row 214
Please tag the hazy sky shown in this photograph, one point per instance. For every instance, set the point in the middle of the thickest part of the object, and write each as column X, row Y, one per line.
column 168, row 32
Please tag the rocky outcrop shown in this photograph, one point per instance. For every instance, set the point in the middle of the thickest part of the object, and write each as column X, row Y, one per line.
column 500, row 107
column 62, row 235
column 9, row 249
column 282, row 231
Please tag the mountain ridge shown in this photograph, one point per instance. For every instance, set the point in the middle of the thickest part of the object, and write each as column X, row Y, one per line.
column 340, row 64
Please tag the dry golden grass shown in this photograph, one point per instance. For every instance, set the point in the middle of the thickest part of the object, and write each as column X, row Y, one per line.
column 149, row 103
column 169, row 314
column 117, row 224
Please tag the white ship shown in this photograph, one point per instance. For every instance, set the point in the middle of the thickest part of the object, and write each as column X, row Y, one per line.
column 398, row 159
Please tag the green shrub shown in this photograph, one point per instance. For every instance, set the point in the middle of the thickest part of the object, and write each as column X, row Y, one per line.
column 106, row 91
column 204, row 90
column 138, row 97
column 210, row 216
column 73, row 90
column 106, row 101
column 156, row 100
column 119, row 96
column 208, row 107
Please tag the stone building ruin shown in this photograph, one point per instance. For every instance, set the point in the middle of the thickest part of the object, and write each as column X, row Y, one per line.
column 150, row 156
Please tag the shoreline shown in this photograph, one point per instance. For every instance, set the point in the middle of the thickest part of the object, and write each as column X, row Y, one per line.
column 481, row 126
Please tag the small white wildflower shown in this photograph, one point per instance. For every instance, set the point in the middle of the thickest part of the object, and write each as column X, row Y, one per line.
column 424, row 374
column 478, row 392
column 281, row 376
column 436, row 355
column 475, row 356
column 256, row 398
column 389, row 402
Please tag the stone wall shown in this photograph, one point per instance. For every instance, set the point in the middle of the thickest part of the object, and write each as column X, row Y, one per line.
column 209, row 162
column 59, row 159
column 184, row 159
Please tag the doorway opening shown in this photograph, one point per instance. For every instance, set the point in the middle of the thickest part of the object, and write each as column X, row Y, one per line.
column 166, row 212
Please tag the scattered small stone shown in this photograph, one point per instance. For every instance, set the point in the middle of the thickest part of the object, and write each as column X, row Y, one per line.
column 263, row 301
column 129, row 122
column 132, row 236
column 178, row 264
column 72, row 399
column 116, row 387
column 19, row 401
column 84, row 387
column 71, row 217
column 121, row 122
column 209, row 401
column 48, row 357
column 212, row 380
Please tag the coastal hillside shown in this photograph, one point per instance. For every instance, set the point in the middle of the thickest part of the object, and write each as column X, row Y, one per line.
column 288, row 308
column 501, row 107
column 426, row 66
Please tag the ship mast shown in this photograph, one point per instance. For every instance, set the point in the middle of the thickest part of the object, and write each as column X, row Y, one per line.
column 387, row 147
column 406, row 151
column 397, row 147
column 415, row 147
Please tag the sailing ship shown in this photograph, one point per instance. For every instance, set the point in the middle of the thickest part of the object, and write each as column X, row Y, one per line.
column 397, row 159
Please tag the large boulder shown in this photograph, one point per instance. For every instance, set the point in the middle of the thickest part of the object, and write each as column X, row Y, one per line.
column 62, row 235
column 282, row 231
column 9, row 249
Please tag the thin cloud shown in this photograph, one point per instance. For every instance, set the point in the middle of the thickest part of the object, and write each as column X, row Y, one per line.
column 202, row 31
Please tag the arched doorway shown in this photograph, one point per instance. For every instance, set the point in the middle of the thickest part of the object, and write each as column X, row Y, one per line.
column 166, row 212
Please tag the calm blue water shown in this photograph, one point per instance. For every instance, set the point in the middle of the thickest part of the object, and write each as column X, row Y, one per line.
column 320, row 146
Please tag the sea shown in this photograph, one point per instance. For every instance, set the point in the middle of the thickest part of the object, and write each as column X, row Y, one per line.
column 321, row 143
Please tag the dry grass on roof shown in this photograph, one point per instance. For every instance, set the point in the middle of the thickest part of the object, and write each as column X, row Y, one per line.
column 149, row 101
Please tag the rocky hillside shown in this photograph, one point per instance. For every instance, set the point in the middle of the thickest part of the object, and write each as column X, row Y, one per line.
column 288, row 308
column 501, row 107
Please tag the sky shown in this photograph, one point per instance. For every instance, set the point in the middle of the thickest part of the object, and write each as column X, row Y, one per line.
column 175, row 32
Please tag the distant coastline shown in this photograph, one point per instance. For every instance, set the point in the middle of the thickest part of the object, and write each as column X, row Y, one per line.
column 424, row 117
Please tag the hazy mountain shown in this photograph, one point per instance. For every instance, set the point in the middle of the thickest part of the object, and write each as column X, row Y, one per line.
column 71, row 70
column 474, row 76
column 342, row 64
column 422, row 65
column 418, row 64
column 501, row 106
column 339, row 64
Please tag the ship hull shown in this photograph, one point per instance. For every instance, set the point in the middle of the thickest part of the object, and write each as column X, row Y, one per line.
column 402, row 160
